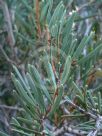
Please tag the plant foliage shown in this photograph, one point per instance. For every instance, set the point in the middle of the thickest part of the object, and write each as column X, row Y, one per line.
column 54, row 85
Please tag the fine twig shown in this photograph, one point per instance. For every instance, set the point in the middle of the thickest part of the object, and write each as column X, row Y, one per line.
column 81, row 110
column 6, row 56
column 85, row 5
column 97, row 127
column 37, row 18
column 69, row 130
column 10, row 107
column 97, row 118
column 87, row 17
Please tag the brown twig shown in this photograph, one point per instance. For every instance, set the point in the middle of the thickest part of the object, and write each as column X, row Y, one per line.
column 37, row 18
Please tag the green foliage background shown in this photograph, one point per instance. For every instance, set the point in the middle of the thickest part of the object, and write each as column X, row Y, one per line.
column 26, row 110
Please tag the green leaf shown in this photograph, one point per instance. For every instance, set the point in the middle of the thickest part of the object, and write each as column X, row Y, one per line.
column 99, row 102
column 29, row 110
column 27, row 5
column 69, row 23
column 22, row 22
column 81, row 46
column 91, row 99
column 55, row 16
column 3, row 134
column 44, row 12
column 21, row 91
column 19, row 75
column 22, row 132
column 62, row 21
column 24, row 129
column 91, row 54
column 49, row 10
column 66, row 70
column 34, row 89
column 26, row 121
column 23, row 83
column 81, row 101
column 36, row 76
column 54, row 30
column 72, row 47
column 57, row 101
column 67, row 35
column 50, row 72
column 78, row 90
column 14, row 121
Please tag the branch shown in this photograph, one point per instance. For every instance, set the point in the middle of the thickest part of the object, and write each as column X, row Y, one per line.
column 6, row 57
column 10, row 107
column 86, row 5
column 82, row 110
column 97, row 118
column 8, row 21
column 70, row 130
column 38, row 17
column 97, row 127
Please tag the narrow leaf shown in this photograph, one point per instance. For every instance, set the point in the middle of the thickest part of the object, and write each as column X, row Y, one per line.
column 36, row 76
column 91, row 54
column 56, row 101
column 66, row 70
column 81, row 46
